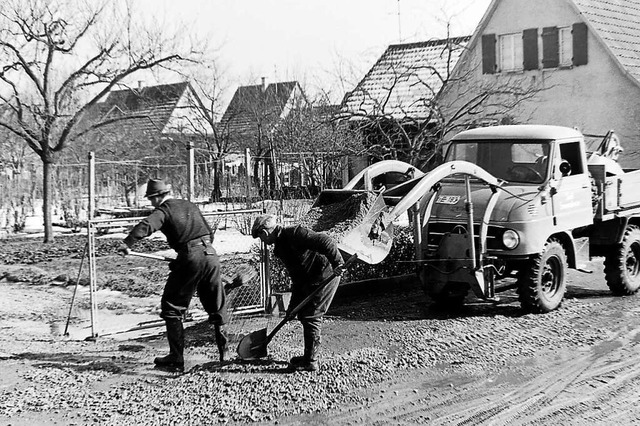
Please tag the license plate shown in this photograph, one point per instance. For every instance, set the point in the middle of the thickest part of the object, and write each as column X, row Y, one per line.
column 448, row 199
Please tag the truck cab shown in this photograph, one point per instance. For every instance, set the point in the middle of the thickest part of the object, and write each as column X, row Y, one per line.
column 546, row 186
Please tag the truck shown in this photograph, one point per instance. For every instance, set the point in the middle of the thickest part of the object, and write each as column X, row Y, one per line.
column 512, row 206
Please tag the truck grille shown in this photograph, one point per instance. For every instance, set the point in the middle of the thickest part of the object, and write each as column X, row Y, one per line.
column 438, row 230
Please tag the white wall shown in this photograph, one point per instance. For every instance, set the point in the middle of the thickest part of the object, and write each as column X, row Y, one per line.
column 595, row 97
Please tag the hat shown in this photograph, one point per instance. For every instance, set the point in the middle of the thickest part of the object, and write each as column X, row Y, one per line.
column 266, row 221
column 156, row 187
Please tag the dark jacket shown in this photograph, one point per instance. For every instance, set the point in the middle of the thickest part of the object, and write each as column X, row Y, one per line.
column 180, row 220
column 308, row 256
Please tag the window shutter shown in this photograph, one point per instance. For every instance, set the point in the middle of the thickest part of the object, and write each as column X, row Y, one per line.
column 488, row 53
column 550, row 56
column 530, row 49
column 580, row 45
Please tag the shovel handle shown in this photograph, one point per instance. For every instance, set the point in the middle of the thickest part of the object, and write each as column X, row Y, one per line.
column 322, row 284
column 150, row 256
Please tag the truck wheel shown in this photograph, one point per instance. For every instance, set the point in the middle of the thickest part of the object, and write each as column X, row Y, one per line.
column 622, row 267
column 541, row 283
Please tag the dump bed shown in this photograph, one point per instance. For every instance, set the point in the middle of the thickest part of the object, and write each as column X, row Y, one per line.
column 617, row 195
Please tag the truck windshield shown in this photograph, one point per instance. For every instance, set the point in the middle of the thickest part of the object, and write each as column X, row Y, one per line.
column 515, row 161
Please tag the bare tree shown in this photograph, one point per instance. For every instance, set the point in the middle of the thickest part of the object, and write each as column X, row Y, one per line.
column 404, row 115
column 212, row 139
column 312, row 137
column 60, row 58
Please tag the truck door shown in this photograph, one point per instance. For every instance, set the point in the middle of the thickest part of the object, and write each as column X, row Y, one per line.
column 572, row 200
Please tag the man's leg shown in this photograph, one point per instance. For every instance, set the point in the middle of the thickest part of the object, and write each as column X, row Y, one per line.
column 176, row 297
column 213, row 298
column 175, row 336
column 311, row 318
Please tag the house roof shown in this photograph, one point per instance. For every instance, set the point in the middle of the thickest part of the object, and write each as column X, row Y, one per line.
column 258, row 105
column 403, row 82
column 152, row 107
column 617, row 24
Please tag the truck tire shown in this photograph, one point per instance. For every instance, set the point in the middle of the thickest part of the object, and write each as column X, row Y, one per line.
column 622, row 266
column 541, row 283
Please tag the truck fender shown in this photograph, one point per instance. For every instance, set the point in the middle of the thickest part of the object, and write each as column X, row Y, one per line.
column 567, row 241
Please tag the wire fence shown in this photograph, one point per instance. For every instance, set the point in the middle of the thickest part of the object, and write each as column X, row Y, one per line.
column 236, row 248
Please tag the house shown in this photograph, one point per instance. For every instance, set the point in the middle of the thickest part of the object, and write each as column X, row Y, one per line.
column 251, row 119
column 394, row 105
column 254, row 112
column 149, row 113
column 579, row 61
column 143, row 131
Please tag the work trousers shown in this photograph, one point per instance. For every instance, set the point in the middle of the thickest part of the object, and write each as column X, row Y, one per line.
column 312, row 314
column 197, row 267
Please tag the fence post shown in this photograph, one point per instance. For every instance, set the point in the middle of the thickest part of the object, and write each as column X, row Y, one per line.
column 191, row 172
column 91, row 208
column 247, row 164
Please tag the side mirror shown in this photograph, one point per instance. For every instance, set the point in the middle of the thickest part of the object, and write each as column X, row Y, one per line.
column 565, row 168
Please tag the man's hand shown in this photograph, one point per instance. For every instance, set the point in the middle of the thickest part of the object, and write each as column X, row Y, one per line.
column 338, row 270
column 123, row 250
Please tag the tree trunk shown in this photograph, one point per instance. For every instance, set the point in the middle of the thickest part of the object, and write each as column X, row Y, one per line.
column 216, row 193
column 47, row 176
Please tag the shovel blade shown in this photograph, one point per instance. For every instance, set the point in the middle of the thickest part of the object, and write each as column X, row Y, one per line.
column 253, row 345
column 371, row 247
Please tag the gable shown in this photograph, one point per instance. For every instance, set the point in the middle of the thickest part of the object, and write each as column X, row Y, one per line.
column 258, row 108
column 614, row 24
column 406, row 78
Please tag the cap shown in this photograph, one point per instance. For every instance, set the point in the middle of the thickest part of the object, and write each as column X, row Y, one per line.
column 156, row 187
column 265, row 221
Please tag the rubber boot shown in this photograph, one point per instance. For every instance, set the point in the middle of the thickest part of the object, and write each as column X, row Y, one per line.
column 175, row 335
column 221, row 342
column 309, row 361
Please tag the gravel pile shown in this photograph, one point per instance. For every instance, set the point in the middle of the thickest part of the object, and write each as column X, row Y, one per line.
column 337, row 219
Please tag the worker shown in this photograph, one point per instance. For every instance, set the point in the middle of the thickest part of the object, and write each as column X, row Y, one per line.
column 196, row 267
column 309, row 257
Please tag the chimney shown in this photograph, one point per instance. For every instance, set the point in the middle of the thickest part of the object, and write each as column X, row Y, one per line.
column 140, row 85
column 264, row 84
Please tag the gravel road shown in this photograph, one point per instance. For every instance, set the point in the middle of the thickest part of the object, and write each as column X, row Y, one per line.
column 388, row 358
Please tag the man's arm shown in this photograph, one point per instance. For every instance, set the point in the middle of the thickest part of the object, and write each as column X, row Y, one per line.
column 321, row 243
column 145, row 227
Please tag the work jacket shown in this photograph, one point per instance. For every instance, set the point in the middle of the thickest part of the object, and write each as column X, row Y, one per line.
column 308, row 256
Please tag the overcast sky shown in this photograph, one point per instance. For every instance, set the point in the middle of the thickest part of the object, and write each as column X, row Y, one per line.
column 321, row 43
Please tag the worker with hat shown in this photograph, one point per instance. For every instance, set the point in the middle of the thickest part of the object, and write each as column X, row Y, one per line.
column 196, row 267
column 309, row 257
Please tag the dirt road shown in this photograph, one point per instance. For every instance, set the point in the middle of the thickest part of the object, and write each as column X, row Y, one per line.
column 387, row 359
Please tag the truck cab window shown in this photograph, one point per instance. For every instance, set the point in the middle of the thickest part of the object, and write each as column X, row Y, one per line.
column 572, row 154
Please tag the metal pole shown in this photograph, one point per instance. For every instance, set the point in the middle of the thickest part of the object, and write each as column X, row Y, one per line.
column 75, row 290
column 92, row 186
column 190, row 171
column 247, row 163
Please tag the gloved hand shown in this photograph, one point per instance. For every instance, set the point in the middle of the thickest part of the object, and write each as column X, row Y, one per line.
column 123, row 250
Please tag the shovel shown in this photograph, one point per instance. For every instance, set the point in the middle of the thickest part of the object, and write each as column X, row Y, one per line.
column 254, row 345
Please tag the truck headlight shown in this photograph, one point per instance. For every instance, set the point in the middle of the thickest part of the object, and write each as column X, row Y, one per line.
column 510, row 239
